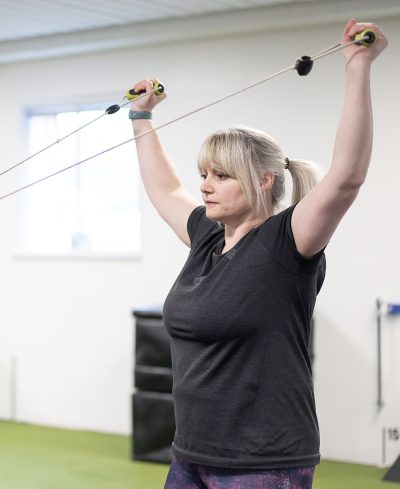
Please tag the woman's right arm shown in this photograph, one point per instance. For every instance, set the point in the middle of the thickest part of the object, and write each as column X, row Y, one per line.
column 159, row 176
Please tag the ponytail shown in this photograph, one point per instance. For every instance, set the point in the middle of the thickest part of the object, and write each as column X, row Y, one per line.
column 304, row 177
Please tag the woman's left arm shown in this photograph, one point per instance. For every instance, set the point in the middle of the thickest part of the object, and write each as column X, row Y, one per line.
column 318, row 214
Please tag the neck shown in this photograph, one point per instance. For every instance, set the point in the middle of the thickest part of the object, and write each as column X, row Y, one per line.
column 234, row 233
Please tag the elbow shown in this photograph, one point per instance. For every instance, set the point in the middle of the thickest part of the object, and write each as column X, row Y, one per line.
column 348, row 189
column 354, row 182
column 349, row 181
column 350, row 172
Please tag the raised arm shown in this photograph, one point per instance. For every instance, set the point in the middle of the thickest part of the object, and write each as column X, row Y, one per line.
column 317, row 215
column 161, row 182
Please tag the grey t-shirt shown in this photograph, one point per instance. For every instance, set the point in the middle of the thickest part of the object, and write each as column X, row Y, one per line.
column 239, row 325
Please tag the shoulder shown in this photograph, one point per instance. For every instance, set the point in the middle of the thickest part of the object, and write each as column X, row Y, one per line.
column 279, row 224
column 276, row 234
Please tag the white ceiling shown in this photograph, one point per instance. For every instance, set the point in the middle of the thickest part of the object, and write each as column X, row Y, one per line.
column 31, row 18
column 33, row 29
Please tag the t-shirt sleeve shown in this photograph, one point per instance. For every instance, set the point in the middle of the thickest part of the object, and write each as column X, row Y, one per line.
column 276, row 233
column 199, row 225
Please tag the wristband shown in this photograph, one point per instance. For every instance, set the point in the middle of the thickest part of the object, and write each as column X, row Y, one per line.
column 135, row 115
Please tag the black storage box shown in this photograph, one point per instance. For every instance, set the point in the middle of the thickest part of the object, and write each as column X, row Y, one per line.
column 152, row 403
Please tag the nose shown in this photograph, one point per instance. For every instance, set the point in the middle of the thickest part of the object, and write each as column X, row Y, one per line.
column 206, row 187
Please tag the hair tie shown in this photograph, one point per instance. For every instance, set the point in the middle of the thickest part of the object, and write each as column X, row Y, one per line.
column 287, row 163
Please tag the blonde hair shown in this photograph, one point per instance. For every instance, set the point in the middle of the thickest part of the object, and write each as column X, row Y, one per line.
column 247, row 155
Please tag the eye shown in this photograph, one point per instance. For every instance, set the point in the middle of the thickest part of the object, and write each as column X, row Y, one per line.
column 203, row 176
column 221, row 176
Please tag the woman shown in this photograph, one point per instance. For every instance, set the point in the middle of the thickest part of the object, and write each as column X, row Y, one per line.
column 239, row 312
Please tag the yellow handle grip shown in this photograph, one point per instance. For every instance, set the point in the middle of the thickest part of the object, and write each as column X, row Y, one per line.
column 132, row 94
column 365, row 38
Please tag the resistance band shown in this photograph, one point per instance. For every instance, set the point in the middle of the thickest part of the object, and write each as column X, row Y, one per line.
column 303, row 66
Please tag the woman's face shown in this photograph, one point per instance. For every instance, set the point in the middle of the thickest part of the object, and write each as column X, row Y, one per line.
column 223, row 197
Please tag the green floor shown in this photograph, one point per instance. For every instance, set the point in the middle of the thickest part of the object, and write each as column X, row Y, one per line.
column 34, row 457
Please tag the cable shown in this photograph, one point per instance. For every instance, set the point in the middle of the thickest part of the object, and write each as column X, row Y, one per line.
column 110, row 110
column 144, row 134
column 303, row 67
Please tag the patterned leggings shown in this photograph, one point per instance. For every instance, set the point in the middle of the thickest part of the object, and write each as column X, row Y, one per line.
column 185, row 475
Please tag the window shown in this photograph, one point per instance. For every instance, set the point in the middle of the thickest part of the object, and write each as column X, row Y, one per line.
column 91, row 209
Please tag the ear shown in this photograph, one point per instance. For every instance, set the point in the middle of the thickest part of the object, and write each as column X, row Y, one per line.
column 267, row 182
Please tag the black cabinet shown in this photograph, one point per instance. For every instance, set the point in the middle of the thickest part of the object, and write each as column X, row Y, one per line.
column 152, row 403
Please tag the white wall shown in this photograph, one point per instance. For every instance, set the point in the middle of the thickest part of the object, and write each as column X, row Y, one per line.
column 69, row 322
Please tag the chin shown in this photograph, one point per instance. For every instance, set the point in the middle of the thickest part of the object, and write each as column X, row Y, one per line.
column 212, row 214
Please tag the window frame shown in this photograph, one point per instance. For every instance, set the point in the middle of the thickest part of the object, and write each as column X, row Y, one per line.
column 73, row 254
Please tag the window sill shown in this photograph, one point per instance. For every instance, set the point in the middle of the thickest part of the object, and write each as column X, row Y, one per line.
column 79, row 255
